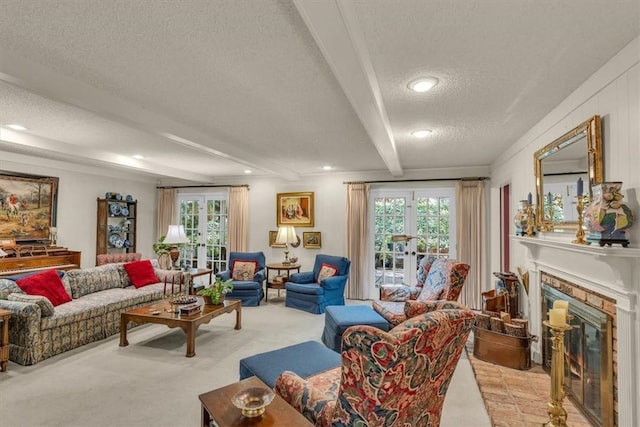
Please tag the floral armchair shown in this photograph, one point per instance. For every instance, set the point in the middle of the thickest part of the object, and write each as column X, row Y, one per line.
column 396, row 378
column 443, row 280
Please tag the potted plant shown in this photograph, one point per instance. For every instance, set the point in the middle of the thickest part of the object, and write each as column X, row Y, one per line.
column 162, row 251
column 214, row 294
column 161, row 247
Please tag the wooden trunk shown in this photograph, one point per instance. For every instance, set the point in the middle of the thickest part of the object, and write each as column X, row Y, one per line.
column 502, row 349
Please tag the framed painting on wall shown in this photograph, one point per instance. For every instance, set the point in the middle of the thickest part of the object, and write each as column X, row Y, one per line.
column 295, row 209
column 27, row 206
column 272, row 240
column 312, row 239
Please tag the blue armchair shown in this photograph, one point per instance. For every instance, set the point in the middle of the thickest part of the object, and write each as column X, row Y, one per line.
column 249, row 290
column 312, row 291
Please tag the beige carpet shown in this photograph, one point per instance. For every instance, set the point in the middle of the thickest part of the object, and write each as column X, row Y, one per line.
column 515, row 398
column 152, row 383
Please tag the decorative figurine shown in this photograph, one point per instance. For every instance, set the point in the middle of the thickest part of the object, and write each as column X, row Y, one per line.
column 607, row 218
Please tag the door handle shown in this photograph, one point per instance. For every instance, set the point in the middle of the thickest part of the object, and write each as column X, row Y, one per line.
column 413, row 252
column 406, row 252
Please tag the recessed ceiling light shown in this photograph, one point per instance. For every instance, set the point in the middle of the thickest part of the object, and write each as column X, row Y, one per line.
column 423, row 84
column 138, row 156
column 248, row 171
column 16, row 126
column 422, row 133
column 327, row 167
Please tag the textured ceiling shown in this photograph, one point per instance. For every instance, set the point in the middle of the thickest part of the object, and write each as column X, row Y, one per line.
column 207, row 89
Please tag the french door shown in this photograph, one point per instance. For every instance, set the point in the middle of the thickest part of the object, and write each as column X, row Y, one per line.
column 407, row 226
column 205, row 218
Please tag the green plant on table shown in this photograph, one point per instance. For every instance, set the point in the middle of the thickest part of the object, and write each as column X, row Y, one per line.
column 217, row 290
column 161, row 248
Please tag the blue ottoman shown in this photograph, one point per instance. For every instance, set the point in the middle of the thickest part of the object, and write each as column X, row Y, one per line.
column 305, row 359
column 337, row 318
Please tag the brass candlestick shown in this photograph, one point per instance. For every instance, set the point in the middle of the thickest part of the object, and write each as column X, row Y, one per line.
column 530, row 220
column 557, row 413
column 580, row 232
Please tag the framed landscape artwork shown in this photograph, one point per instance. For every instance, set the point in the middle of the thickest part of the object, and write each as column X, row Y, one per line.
column 272, row 240
column 295, row 209
column 27, row 206
column 312, row 239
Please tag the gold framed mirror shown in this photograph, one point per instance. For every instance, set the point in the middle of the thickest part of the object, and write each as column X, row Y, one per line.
column 557, row 166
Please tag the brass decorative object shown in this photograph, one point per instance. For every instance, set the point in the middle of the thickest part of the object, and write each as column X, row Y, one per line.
column 531, row 220
column 555, row 410
column 580, row 232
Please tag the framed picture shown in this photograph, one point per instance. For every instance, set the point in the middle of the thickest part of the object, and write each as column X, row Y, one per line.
column 294, row 209
column 27, row 206
column 272, row 240
column 312, row 239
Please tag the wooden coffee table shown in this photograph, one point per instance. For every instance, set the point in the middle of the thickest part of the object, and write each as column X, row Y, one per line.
column 189, row 324
column 217, row 409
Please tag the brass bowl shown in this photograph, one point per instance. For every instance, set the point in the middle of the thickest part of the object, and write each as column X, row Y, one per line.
column 253, row 401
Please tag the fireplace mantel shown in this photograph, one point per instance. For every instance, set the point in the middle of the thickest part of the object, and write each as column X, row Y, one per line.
column 622, row 262
column 612, row 271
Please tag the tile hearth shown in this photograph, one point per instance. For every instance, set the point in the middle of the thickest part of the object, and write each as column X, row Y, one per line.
column 515, row 398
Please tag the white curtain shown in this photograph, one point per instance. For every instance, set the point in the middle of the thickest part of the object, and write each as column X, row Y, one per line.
column 238, row 219
column 470, row 224
column 357, row 234
column 166, row 210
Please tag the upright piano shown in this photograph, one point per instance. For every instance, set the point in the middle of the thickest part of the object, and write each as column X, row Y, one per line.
column 29, row 258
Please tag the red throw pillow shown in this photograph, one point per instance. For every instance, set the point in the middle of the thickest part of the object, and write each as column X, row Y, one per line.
column 243, row 269
column 327, row 270
column 141, row 273
column 46, row 284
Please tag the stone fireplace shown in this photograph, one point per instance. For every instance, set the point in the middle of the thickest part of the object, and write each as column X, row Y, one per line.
column 606, row 279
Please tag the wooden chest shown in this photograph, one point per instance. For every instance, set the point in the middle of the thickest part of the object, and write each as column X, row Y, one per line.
column 502, row 349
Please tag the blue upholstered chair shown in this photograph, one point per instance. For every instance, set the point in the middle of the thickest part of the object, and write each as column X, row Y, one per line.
column 312, row 291
column 248, row 281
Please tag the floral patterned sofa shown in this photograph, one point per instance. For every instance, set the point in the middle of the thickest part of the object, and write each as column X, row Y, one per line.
column 396, row 378
column 99, row 294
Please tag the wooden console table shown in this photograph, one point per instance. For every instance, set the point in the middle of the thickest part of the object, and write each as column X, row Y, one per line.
column 5, row 315
column 218, row 411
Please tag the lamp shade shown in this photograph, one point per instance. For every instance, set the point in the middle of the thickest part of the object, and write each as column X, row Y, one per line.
column 286, row 234
column 176, row 235
column 3, row 253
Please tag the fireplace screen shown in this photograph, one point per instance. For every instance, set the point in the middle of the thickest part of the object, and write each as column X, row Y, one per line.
column 588, row 357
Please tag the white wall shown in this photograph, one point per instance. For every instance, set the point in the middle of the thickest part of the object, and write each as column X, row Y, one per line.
column 79, row 187
column 613, row 92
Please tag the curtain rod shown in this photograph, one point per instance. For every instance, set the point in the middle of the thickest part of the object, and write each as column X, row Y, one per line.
column 203, row 186
column 468, row 178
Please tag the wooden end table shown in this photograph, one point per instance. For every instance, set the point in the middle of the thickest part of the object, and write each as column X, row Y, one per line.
column 5, row 315
column 218, row 411
column 188, row 323
column 278, row 285
column 197, row 272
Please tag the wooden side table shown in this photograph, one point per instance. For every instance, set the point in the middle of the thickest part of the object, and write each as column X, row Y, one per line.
column 197, row 272
column 5, row 315
column 218, row 411
column 278, row 267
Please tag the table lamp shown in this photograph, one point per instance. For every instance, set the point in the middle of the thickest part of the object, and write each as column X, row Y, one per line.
column 175, row 236
column 286, row 235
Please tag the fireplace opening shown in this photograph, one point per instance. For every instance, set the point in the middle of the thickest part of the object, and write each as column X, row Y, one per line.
column 588, row 357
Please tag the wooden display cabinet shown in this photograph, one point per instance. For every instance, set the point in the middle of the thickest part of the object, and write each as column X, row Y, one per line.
column 116, row 230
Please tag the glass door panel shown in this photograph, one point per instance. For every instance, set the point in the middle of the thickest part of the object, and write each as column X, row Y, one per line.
column 422, row 222
column 205, row 219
